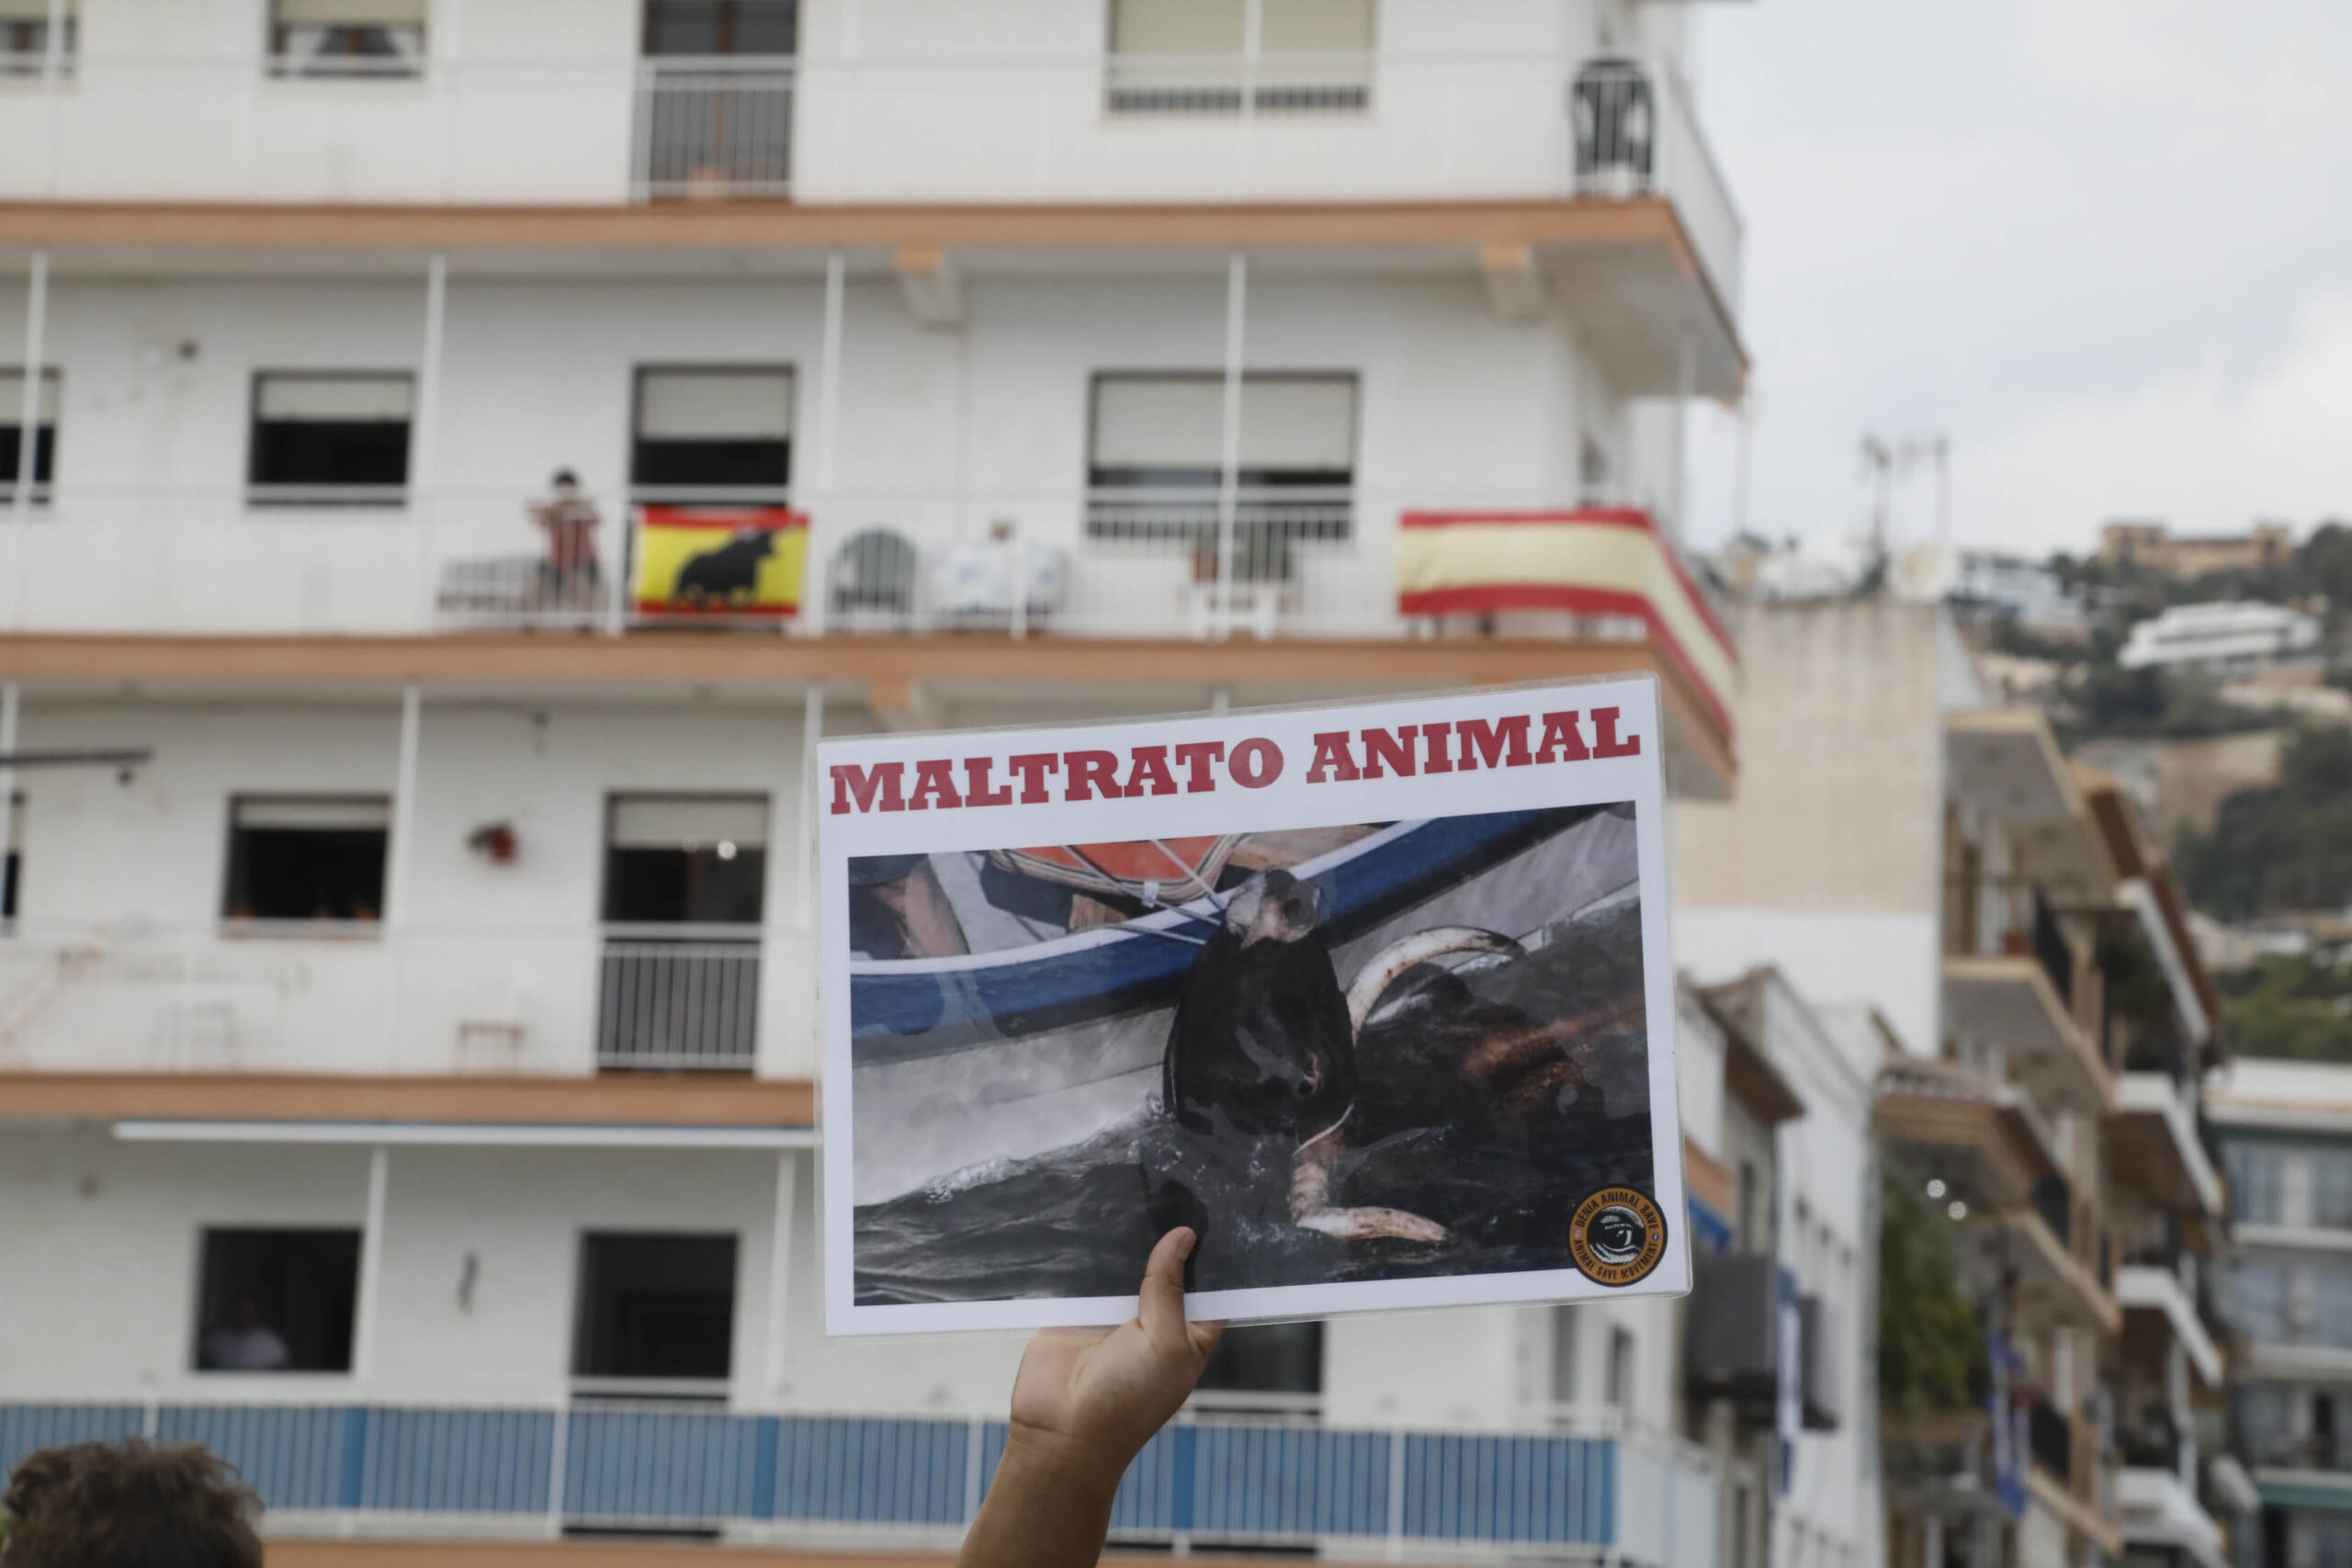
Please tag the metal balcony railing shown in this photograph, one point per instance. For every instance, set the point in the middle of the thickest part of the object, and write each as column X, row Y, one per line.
column 1596, row 1489
column 671, row 1001
column 714, row 127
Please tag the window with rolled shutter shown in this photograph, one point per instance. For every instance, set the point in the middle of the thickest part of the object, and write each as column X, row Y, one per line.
column 1198, row 57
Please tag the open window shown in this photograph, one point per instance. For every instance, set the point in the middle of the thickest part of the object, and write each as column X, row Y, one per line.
column 24, row 37
column 277, row 1300
column 1284, row 1360
column 317, row 858
column 685, row 859
column 12, row 429
column 655, row 1307
column 1154, row 464
column 703, row 430
column 1199, row 57
column 376, row 39
column 335, row 438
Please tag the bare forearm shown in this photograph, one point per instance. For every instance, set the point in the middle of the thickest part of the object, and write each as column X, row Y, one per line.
column 1047, row 1508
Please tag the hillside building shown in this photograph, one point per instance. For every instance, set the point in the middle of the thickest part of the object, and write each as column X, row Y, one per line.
column 2189, row 556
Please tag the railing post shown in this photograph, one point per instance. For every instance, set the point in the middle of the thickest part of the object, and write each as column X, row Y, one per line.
column 976, row 1445
column 1228, row 495
column 371, row 1268
column 423, row 438
column 1396, row 1494
column 559, row 1463
column 28, row 426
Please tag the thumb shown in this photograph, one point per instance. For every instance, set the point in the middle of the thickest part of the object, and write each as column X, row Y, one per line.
column 1161, row 1304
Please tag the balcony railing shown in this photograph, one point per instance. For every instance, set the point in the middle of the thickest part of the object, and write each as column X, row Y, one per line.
column 1082, row 127
column 1598, row 1489
column 669, row 1001
column 713, row 128
column 1107, row 563
column 352, row 998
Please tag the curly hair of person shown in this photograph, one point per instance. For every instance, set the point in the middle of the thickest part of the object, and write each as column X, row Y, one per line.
column 130, row 1504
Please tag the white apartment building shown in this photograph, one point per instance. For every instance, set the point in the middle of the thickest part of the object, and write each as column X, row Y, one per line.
column 407, row 956
column 2228, row 639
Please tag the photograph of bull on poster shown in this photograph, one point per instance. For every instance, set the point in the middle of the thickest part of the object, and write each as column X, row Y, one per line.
column 1375, row 997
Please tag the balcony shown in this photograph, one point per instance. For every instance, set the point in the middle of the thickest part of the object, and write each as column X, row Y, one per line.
column 918, row 596
column 2017, row 978
column 1986, row 1141
column 878, row 1480
column 2160, row 1510
column 2152, row 1144
column 2157, row 1307
column 351, row 1000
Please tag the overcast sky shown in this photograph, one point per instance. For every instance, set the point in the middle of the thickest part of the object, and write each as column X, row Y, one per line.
column 2105, row 244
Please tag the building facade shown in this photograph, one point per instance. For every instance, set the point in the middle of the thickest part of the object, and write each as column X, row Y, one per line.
column 464, row 455
column 2282, row 1129
column 2038, row 1021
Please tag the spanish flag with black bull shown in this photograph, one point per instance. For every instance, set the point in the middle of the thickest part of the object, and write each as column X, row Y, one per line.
column 720, row 561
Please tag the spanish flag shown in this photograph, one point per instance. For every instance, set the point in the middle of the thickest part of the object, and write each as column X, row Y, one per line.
column 736, row 561
column 1594, row 561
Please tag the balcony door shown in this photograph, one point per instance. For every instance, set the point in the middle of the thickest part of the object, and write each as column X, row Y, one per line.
column 715, row 103
column 679, row 975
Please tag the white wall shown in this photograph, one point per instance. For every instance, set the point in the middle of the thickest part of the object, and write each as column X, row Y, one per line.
column 133, row 873
column 99, row 1256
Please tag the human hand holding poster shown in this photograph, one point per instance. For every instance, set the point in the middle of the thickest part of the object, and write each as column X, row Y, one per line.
column 1375, row 998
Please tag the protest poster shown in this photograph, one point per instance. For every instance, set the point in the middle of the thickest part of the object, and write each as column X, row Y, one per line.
column 1377, row 998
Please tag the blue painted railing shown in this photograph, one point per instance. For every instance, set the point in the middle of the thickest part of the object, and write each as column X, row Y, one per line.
column 1219, row 1478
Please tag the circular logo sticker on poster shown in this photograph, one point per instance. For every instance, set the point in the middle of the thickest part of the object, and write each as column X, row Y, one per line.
column 1616, row 1237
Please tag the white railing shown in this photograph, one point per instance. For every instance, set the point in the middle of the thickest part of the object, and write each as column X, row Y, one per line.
column 678, row 1000
column 1001, row 127
column 713, row 128
column 1105, row 563
column 875, row 1480
column 355, row 997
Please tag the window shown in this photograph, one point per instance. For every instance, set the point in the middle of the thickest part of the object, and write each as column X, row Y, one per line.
column 655, row 1306
column 347, row 38
column 2331, row 1188
column 2258, row 1183
column 687, row 858
column 2256, row 1300
column 1156, row 464
column 1196, row 56
column 712, row 429
column 12, row 429
column 333, row 437
column 24, row 37
column 307, row 858
column 277, row 1300
column 1272, row 1357
column 714, row 28
column 1620, row 1369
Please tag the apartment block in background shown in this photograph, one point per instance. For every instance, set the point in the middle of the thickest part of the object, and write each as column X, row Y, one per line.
column 459, row 460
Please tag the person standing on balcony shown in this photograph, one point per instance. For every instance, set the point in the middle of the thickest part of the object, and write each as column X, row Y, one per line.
column 569, row 576
column 1085, row 1403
